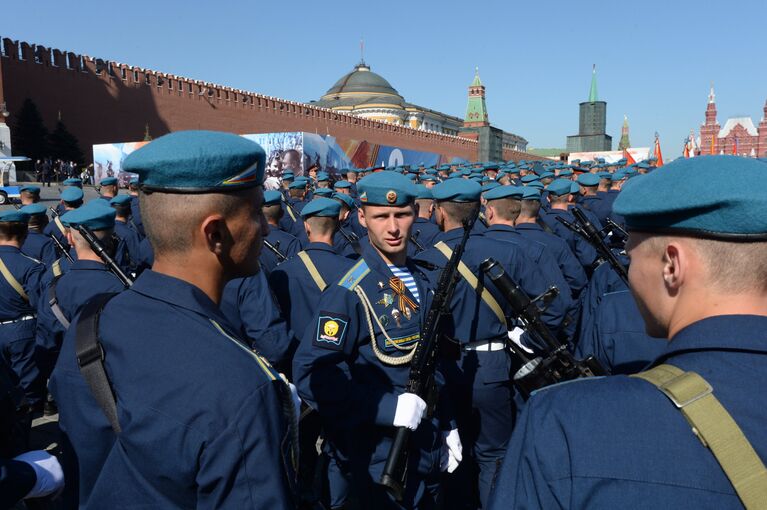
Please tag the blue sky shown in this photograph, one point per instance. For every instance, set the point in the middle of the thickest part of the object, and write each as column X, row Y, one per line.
column 655, row 60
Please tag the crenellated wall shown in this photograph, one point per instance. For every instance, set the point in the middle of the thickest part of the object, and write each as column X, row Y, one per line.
column 102, row 101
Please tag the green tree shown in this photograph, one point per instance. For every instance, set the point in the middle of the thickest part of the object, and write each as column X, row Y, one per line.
column 64, row 145
column 28, row 134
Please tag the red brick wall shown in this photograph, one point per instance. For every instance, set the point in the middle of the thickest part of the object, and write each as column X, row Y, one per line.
column 103, row 108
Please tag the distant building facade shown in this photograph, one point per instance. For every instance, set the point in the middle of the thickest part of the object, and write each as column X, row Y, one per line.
column 738, row 135
column 591, row 135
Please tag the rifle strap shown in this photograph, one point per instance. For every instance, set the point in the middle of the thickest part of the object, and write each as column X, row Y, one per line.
column 289, row 208
column 12, row 281
column 60, row 226
column 53, row 301
column 90, row 357
column 473, row 282
column 715, row 428
column 313, row 272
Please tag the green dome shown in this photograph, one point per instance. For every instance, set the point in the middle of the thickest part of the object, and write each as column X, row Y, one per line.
column 361, row 80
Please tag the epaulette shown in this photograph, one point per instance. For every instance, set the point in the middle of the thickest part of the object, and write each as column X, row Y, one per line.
column 355, row 275
column 56, row 268
column 426, row 264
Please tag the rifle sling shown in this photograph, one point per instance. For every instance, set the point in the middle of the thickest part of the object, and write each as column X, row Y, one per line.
column 12, row 281
column 315, row 274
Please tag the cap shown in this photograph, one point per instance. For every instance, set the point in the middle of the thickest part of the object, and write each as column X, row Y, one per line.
column 423, row 193
column 106, row 181
column 346, row 199
column 121, row 200
column 323, row 207
column 13, row 215
column 34, row 209
column 588, row 180
column 93, row 215
column 457, row 190
column 35, row 190
column 198, row 162
column 72, row 194
column 342, row 185
column 272, row 197
column 386, row 188
column 504, row 192
column 531, row 193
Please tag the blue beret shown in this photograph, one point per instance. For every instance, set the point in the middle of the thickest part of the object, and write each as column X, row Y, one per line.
column 346, row 199
column 503, row 192
column 297, row 184
column 72, row 181
column 490, row 185
column 386, row 188
column 604, row 175
column 492, row 166
column 323, row 176
column 529, row 178
column 536, row 185
column 12, row 215
column 565, row 172
column 428, row 178
column 323, row 207
column 681, row 198
column 588, row 179
column 457, row 190
column 560, row 187
column 423, row 193
column 35, row 190
column 323, row 192
column 72, row 194
column 547, row 174
column 617, row 176
column 133, row 181
column 643, row 164
column 342, row 185
column 93, row 215
column 108, row 181
column 272, row 197
column 100, row 201
column 121, row 200
column 531, row 193
column 198, row 162
column 34, row 209
column 287, row 176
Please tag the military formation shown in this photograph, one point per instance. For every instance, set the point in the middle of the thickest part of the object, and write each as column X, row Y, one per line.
column 527, row 334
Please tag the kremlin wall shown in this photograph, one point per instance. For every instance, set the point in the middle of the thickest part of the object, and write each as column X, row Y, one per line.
column 102, row 102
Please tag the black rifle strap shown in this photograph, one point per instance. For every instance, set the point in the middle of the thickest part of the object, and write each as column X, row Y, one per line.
column 53, row 301
column 90, row 357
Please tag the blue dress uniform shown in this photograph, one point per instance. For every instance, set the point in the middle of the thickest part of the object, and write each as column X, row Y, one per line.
column 250, row 307
column 204, row 419
column 354, row 381
column 617, row 336
column 73, row 197
column 37, row 245
column 613, row 442
column 283, row 241
column 604, row 281
column 19, row 295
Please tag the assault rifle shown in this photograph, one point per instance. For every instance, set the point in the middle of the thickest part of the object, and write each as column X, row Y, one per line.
column 422, row 366
column 557, row 363
column 275, row 248
column 352, row 238
column 584, row 228
column 99, row 249
column 414, row 240
column 59, row 245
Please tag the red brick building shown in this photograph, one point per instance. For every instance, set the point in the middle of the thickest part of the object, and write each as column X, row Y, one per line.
column 737, row 136
column 102, row 101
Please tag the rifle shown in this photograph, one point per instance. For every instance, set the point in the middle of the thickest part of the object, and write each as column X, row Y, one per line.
column 286, row 199
column 557, row 363
column 414, row 240
column 99, row 250
column 422, row 366
column 60, row 248
column 276, row 250
column 584, row 228
column 352, row 238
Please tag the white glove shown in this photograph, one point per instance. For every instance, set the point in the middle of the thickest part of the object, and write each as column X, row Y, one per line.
column 50, row 477
column 452, row 451
column 515, row 335
column 410, row 410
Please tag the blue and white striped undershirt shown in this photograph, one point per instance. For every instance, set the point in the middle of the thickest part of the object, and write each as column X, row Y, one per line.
column 403, row 273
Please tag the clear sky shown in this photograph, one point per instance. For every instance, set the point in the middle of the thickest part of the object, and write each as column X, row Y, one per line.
column 655, row 59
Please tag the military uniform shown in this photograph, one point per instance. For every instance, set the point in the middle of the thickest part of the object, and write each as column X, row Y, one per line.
column 286, row 243
column 204, row 420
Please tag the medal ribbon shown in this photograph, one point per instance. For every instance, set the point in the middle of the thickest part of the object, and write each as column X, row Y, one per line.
column 398, row 286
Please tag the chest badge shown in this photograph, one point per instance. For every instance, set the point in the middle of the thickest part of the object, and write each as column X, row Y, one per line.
column 386, row 300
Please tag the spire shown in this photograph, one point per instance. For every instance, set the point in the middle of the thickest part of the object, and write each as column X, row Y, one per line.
column 711, row 95
column 625, row 143
column 476, row 110
column 362, row 52
column 593, row 96
column 477, row 82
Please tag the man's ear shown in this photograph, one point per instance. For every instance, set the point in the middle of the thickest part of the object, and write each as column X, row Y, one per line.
column 215, row 233
column 676, row 263
column 361, row 217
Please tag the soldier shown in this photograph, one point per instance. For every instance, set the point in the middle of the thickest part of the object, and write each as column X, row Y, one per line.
column 29, row 194
column 482, row 376
column 353, row 362
column 197, row 419
column 284, row 242
column 127, row 251
column 135, row 209
column 425, row 231
column 19, row 294
column 108, row 188
column 37, row 245
column 688, row 433
column 71, row 198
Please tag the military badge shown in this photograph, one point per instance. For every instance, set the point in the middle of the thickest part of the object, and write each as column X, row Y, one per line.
column 384, row 320
column 386, row 300
column 397, row 316
column 331, row 329
column 391, row 196
column 408, row 313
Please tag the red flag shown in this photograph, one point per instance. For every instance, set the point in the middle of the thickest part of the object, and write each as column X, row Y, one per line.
column 629, row 159
column 657, row 153
column 735, row 147
column 686, row 152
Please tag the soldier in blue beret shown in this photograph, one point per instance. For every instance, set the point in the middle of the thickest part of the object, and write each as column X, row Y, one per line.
column 588, row 198
column 85, row 278
column 481, row 377
column 200, row 418
column 127, row 252
column 71, row 198
column 73, row 181
column 287, row 244
column 353, row 363
column 688, row 432
column 20, row 278
column 37, row 245
column 108, row 188
column 350, row 223
column 425, row 230
column 344, row 187
column 135, row 222
column 29, row 194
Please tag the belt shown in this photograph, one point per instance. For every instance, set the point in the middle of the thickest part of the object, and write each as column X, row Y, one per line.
column 25, row 318
column 485, row 345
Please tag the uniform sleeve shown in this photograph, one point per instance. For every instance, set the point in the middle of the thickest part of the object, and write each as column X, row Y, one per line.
column 532, row 475
column 572, row 271
column 49, row 254
column 16, row 480
column 322, row 365
column 247, row 464
column 533, row 282
column 33, row 283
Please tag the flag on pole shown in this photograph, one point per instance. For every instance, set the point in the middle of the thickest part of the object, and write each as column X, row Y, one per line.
column 628, row 157
column 657, row 152
column 735, row 146
column 686, row 151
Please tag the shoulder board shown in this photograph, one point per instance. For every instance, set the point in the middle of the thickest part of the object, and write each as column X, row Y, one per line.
column 355, row 275
column 426, row 264
column 56, row 268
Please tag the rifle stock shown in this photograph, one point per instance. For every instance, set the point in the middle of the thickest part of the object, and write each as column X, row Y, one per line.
column 98, row 249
